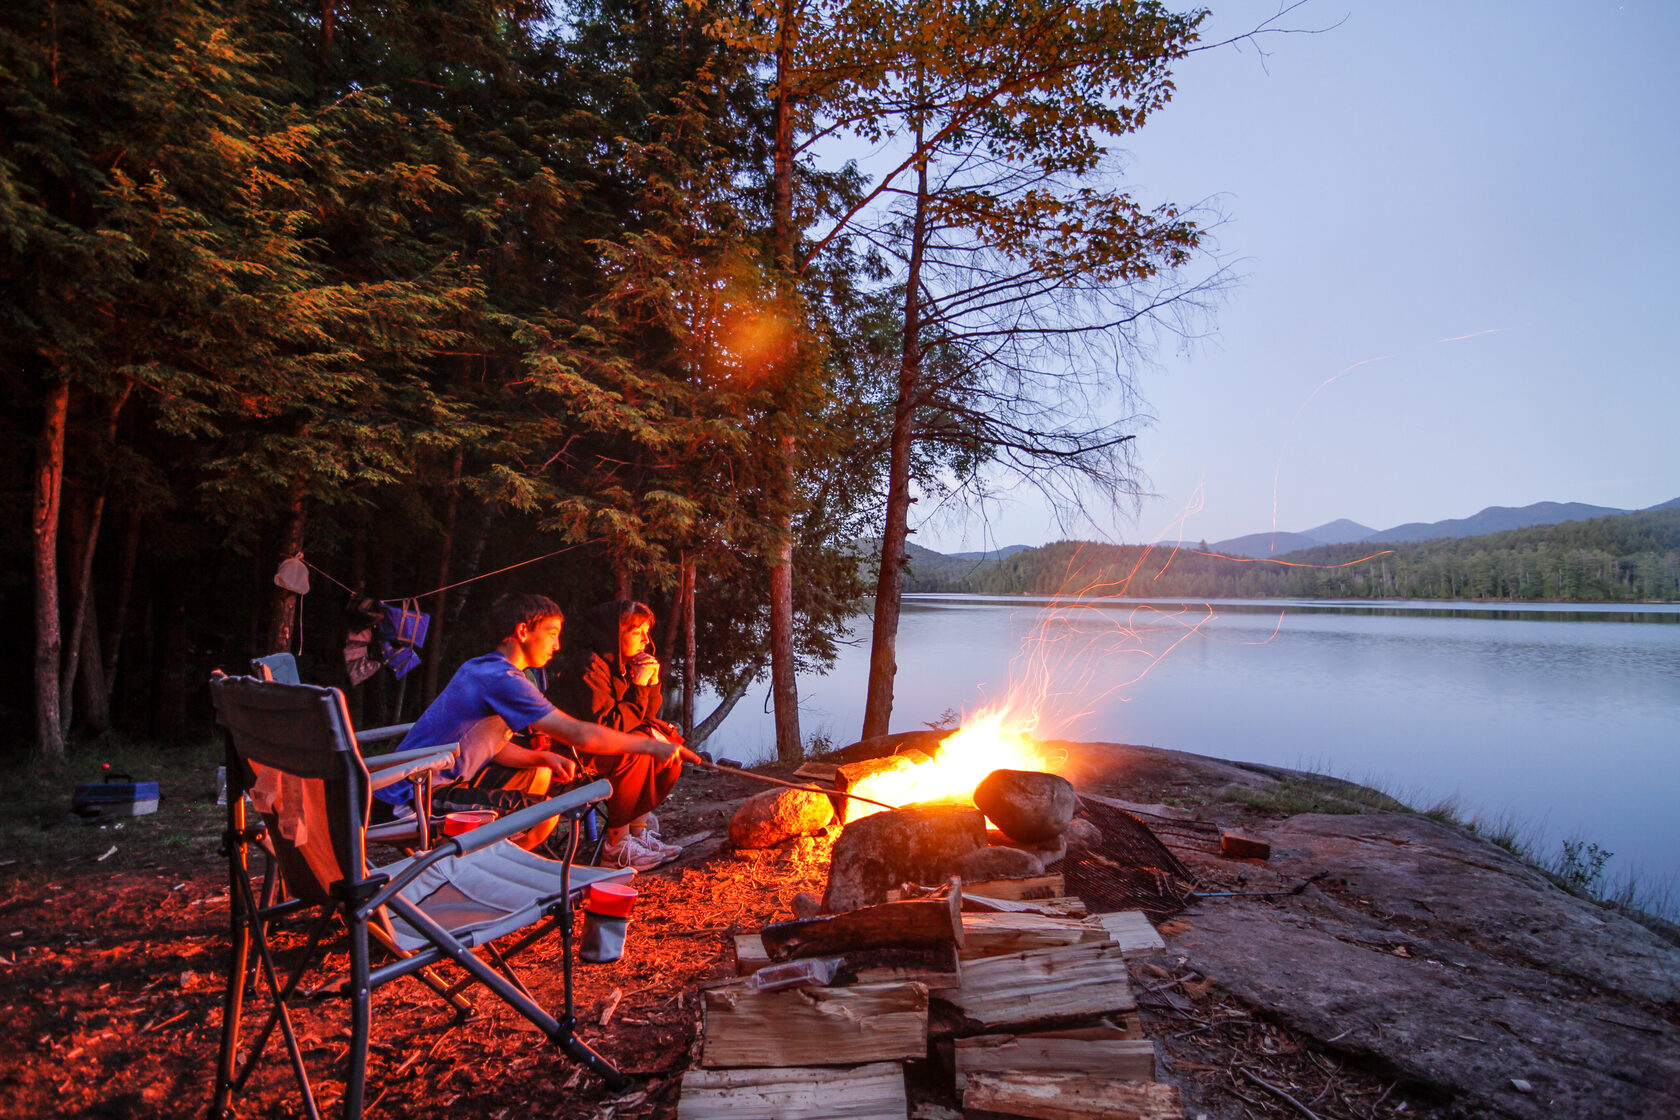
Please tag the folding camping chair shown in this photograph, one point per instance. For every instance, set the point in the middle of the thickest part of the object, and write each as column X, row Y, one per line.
column 292, row 750
column 408, row 833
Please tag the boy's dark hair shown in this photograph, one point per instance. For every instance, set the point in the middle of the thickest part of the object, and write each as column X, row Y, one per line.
column 514, row 608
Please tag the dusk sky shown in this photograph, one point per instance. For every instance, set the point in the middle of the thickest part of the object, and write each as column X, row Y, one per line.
column 1458, row 249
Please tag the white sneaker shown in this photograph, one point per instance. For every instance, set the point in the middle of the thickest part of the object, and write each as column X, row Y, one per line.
column 651, row 839
column 651, row 827
column 634, row 852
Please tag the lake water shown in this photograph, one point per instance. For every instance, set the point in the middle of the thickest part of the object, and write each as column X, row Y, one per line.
column 1564, row 720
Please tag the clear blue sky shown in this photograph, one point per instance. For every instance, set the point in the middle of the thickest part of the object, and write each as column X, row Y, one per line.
column 1502, row 173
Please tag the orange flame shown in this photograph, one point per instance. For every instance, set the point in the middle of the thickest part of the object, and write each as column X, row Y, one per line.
column 992, row 740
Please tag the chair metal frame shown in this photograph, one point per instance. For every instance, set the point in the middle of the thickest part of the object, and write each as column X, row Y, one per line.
column 265, row 721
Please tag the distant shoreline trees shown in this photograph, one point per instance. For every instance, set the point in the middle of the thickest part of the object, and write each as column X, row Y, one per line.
column 1629, row 558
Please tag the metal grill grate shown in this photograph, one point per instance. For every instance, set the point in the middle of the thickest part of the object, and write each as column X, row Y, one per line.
column 1130, row 870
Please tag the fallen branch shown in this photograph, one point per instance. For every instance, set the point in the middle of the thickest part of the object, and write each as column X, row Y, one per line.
column 1269, row 1087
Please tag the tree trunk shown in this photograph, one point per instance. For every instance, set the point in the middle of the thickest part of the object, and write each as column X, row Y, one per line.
column 49, row 483
column 783, row 683
column 434, row 631
column 119, row 620
column 92, row 695
column 87, row 544
column 282, row 616
column 726, row 705
column 889, row 583
column 690, row 669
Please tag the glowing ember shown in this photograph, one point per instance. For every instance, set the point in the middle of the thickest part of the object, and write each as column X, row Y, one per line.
column 987, row 742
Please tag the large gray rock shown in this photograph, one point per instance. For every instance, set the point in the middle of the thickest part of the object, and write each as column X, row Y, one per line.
column 778, row 815
column 997, row 863
column 1027, row 805
column 1437, row 955
column 916, row 844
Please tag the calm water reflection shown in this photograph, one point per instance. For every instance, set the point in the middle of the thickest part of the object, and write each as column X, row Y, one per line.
column 1563, row 719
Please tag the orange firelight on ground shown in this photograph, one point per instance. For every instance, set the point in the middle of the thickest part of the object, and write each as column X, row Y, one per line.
column 992, row 740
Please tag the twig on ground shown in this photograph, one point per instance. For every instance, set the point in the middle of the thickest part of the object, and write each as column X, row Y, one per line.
column 612, row 1005
column 1269, row 1087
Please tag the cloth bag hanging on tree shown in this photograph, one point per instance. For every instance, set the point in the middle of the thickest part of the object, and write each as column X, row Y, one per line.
column 402, row 631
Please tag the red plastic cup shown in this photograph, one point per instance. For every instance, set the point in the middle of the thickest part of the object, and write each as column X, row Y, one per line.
column 465, row 820
column 611, row 900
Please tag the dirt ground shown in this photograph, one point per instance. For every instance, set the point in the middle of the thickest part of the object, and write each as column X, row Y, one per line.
column 110, row 986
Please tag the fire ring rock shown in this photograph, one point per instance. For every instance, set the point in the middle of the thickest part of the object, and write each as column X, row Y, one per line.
column 776, row 815
column 994, row 862
column 916, row 844
column 1027, row 805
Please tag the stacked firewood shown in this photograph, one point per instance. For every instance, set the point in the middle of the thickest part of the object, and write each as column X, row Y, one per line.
column 1005, row 997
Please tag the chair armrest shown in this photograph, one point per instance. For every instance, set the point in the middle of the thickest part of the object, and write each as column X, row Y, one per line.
column 380, row 734
column 397, row 758
column 408, row 767
column 531, row 816
column 485, row 835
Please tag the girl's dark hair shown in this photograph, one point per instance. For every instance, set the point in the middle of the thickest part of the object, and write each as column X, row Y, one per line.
column 608, row 621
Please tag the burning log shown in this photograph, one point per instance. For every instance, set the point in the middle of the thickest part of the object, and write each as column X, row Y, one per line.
column 778, row 815
column 1028, row 806
column 923, row 922
column 855, row 776
column 878, row 853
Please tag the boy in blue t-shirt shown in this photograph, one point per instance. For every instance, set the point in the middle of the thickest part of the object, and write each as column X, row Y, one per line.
column 490, row 698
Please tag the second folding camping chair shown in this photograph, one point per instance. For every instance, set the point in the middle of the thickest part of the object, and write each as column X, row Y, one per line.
column 291, row 748
column 407, row 833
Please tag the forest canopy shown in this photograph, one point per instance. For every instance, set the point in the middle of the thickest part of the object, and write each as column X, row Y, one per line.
column 453, row 297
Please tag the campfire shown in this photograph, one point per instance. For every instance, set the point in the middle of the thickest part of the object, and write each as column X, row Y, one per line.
column 987, row 742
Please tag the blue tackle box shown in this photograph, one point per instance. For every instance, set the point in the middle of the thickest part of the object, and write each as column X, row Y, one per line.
column 117, row 795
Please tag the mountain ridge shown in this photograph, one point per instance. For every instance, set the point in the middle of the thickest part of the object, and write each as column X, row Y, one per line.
column 1493, row 519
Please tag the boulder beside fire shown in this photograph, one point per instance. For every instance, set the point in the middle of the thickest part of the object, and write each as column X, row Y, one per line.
column 927, row 843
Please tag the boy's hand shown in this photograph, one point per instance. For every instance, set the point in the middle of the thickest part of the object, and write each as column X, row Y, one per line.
column 564, row 768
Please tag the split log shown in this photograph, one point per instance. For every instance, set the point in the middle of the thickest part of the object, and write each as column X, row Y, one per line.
column 1068, row 906
column 992, row 935
column 1042, row 886
column 1094, row 1051
column 1042, row 985
column 1133, row 931
column 871, row 1092
column 814, row 1026
column 1071, row 1096
column 1240, row 845
column 749, row 954
column 923, row 922
column 937, row 968
column 817, row 773
column 877, row 853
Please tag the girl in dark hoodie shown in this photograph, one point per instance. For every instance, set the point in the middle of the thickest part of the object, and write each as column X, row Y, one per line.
column 612, row 678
